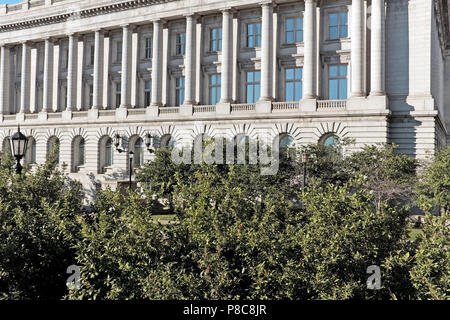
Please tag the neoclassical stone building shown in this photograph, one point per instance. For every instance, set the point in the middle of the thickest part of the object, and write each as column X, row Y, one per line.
column 78, row 72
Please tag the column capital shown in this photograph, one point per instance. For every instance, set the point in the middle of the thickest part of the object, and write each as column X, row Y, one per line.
column 99, row 30
column 191, row 15
column 265, row 3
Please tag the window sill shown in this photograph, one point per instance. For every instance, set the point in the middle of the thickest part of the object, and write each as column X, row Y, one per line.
column 337, row 40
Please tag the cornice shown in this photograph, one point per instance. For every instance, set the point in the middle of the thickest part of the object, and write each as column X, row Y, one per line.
column 80, row 14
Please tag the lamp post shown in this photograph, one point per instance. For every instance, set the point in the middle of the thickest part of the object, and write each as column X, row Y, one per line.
column 131, row 156
column 149, row 140
column 304, row 161
column 19, row 144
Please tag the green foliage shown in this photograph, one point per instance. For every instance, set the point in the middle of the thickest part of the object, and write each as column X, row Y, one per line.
column 434, row 186
column 37, row 231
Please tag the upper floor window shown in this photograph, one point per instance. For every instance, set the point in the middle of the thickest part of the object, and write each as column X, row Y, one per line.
column 180, row 45
column 254, row 35
column 215, row 43
column 148, row 48
column 214, row 88
column 294, row 30
column 337, row 82
column 118, row 51
column 147, row 92
column 337, row 25
column 65, row 58
column 91, row 95
column 293, row 84
column 118, row 94
column 91, row 55
column 253, row 86
column 179, row 91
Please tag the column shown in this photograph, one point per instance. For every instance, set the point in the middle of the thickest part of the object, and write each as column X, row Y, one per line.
column 357, row 55
column 309, row 49
column 98, row 68
column 33, row 78
column 134, row 83
column 189, row 63
column 56, row 89
column 226, row 57
column 377, row 52
column 80, row 68
column 126, row 67
column 4, row 79
column 106, row 60
column 24, row 81
column 156, row 63
column 72, row 73
column 266, row 49
column 47, row 85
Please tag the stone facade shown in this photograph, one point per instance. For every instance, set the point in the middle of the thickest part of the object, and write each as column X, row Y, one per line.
column 80, row 72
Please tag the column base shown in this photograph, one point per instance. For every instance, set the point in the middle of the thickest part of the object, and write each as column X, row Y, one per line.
column 43, row 115
column 223, row 108
column 308, row 105
column 121, row 113
column 66, row 115
column 263, row 106
column 378, row 102
column 357, row 103
column 421, row 102
column 20, row 117
column 93, row 114
column 152, row 111
column 186, row 110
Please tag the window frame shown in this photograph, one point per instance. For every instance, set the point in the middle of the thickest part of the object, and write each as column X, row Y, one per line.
column 179, row 90
column 180, row 46
column 338, row 26
column 255, row 35
column 339, row 77
column 294, row 81
column 254, row 84
column 217, row 86
column 148, row 48
column 294, row 31
column 147, row 93
column 217, row 41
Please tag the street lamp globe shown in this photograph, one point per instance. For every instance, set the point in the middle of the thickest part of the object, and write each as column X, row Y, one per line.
column 19, row 144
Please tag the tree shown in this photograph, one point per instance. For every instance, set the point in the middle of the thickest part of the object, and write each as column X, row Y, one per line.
column 433, row 188
column 37, row 231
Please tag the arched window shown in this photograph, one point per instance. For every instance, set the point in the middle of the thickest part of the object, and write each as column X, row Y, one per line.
column 167, row 141
column 30, row 155
column 106, row 154
column 286, row 141
column 6, row 148
column 138, row 159
column 53, row 147
column 330, row 139
column 78, row 153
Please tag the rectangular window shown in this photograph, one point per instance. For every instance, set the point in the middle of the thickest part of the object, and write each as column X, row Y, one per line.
column 337, row 82
column 64, row 97
column 118, row 51
column 92, row 55
column 91, row 95
column 148, row 48
column 214, row 88
column 66, row 58
column 254, row 35
column 253, row 83
column 293, row 84
column 294, row 30
column 179, row 91
column 215, row 39
column 180, row 47
column 337, row 25
column 118, row 94
column 147, row 92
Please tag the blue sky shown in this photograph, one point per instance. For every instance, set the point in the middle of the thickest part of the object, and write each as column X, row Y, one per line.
column 9, row 1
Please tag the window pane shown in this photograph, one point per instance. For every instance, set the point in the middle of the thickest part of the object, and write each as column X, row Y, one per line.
column 289, row 91
column 298, row 73
column 258, row 28
column 250, row 98
column 258, row 41
column 344, row 32
column 257, row 92
column 333, row 19
column 343, row 89
column 333, row 32
column 299, row 36
column 257, row 76
column 343, row 70
column 249, row 76
column 250, row 29
column 333, row 71
column 343, row 18
column 289, row 74
column 298, row 90
column 299, row 23
column 333, row 90
column 289, row 37
column 289, row 24
column 250, row 42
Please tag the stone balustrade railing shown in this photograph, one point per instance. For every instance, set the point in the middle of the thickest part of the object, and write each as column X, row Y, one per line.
column 172, row 112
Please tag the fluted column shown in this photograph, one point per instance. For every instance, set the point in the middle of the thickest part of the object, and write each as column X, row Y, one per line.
column 377, row 52
column 126, row 67
column 357, row 55
column 72, row 73
column 98, row 70
column 4, row 79
column 189, row 64
column 47, row 84
column 309, row 47
column 156, row 63
column 266, row 49
column 225, row 91
column 25, row 78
